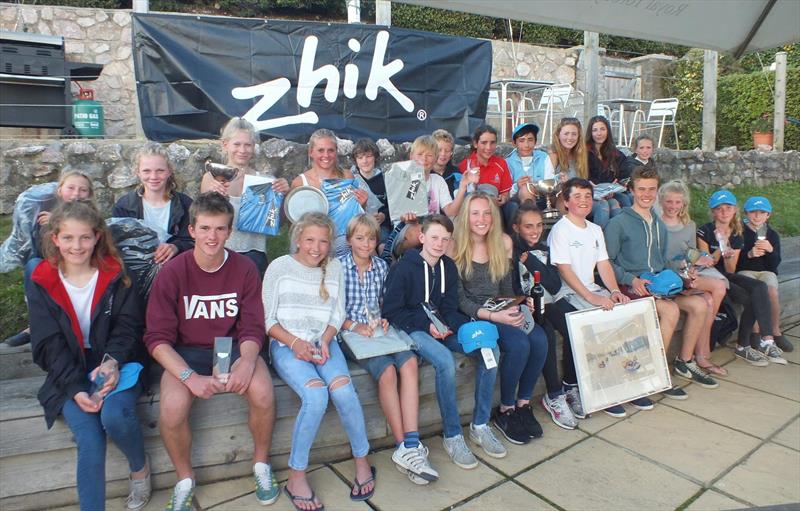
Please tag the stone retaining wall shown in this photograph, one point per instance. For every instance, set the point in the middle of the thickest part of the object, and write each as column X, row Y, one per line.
column 110, row 164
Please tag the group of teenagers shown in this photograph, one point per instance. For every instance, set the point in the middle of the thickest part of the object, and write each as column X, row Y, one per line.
column 481, row 239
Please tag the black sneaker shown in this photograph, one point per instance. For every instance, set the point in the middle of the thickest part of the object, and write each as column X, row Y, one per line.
column 509, row 424
column 529, row 423
column 676, row 393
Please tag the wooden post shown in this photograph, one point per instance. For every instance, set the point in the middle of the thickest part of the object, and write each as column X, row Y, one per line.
column 710, row 100
column 591, row 69
column 354, row 11
column 780, row 100
column 383, row 12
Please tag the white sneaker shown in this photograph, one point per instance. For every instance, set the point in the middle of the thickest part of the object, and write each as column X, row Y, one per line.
column 415, row 460
column 484, row 436
column 458, row 451
column 140, row 490
column 772, row 352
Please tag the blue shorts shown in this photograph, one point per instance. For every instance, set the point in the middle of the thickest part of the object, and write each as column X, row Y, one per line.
column 375, row 366
column 201, row 360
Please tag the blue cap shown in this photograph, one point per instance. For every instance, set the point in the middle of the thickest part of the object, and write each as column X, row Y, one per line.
column 520, row 127
column 721, row 197
column 757, row 204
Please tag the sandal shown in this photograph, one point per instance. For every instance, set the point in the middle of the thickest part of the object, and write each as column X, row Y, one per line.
column 355, row 493
column 297, row 498
column 713, row 368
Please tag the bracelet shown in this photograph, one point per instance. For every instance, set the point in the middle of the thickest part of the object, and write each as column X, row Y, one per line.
column 352, row 326
column 291, row 345
column 490, row 315
column 616, row 291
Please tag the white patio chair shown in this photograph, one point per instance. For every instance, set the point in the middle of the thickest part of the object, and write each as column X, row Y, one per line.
column 661, row 113
column 554, row 99
column 494, row 113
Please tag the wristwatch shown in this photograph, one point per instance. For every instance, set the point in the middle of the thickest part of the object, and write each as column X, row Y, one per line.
column 185, row 374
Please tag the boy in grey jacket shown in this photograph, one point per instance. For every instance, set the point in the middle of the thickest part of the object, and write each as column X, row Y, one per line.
column 636, row 241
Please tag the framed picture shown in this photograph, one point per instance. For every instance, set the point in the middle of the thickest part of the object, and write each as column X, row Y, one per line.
column 619, row 354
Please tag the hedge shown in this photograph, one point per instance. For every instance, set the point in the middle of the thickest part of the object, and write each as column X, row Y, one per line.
column 741, row 98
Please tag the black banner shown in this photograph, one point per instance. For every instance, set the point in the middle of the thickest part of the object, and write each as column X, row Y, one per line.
column 291, row 77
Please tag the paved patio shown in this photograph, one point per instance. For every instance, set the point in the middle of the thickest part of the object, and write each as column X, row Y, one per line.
column 732, row 447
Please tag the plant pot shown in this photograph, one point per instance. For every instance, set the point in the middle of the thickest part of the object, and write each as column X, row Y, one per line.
column 762, row 139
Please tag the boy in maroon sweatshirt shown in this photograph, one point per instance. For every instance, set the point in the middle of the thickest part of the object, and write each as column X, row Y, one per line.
column 199, row 295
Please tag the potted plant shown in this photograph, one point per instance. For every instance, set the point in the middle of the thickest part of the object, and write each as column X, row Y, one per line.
column 762, row 131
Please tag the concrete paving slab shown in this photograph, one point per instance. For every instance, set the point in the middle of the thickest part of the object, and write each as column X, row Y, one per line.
column 394, row 489
column 506, row 496
column 691, row 445
column 713, row 501
column 597, row 475
column 793, row 356
column 599, row 421
column 769, row 477
column 795, row 331
column 740, row 408
column 209, row 495
column 521, row 457
column 783, row 380
column 790, row 436
column 722, row 356
column 330, row 490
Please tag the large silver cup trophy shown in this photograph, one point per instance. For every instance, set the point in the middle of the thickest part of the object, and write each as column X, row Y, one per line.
column 549, row 188
column 220, row 172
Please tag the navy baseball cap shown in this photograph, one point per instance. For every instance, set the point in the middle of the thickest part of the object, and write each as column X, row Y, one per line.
column 520, row 127
column 757, row 204
column 721, row 197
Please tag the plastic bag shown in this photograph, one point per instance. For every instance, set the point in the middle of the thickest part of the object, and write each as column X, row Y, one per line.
column 605, row 189
column 260, row 210
column 342, row 203
column 137, row 245
column 18, row 248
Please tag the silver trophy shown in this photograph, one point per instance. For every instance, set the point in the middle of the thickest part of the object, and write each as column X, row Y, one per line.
column 220, row 172
column 550, row 188
column 223, row 347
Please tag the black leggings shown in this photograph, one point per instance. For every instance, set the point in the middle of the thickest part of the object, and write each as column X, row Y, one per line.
column 754, row 296
column 555, row 313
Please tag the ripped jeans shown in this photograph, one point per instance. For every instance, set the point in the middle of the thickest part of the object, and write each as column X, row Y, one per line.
column 311, row 383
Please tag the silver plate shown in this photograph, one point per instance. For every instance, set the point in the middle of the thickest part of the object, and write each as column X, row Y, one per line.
column 304, row 199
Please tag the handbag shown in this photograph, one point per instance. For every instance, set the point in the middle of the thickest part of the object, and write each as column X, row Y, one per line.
column 260, row 210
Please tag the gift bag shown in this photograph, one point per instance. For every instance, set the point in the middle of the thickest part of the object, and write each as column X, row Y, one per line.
column 406, row 190
column 342, row 203
column 18, row 248
column 137, row 245
column 260, row 210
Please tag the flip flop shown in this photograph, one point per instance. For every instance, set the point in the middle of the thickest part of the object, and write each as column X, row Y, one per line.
column 358, row 497
column 298, row 498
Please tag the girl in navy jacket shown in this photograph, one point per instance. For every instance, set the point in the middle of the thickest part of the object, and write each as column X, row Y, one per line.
column 82, row 308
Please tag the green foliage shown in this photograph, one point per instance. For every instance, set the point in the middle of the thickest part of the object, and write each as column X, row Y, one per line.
column 441, row 21
column 12, row 302
column 742, row 98
column 97, row 4
column 785, row 217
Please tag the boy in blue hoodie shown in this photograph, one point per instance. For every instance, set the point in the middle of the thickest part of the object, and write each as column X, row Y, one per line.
column 636, row 241
column 428, row 276
column 527, row 165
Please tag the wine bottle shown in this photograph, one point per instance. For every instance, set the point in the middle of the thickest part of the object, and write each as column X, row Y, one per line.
column 537, row 293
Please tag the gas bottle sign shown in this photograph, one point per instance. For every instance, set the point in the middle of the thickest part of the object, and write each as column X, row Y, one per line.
column 289, row 78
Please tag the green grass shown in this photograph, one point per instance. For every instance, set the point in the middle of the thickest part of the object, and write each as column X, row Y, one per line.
column 784, row 197
column 14, row 315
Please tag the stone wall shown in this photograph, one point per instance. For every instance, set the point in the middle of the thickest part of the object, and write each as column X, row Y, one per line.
column 90, row 35
column 110, row 164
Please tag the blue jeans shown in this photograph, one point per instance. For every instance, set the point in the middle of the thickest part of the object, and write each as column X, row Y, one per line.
column 605, row 210
column 118, row 420
column 440, row 356
column 521, row 363
column 314, row 400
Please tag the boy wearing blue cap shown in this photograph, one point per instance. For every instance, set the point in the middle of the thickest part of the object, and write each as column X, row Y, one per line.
column 527, row 166
column 760, row 257
column 723, row 239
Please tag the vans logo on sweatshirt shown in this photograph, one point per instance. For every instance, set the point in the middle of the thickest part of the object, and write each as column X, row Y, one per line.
column 211, row 307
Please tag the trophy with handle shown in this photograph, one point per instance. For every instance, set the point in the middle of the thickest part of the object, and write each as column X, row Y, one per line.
column 548, row 187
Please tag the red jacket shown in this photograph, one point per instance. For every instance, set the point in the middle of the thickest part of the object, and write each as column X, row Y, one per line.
column 495, row 172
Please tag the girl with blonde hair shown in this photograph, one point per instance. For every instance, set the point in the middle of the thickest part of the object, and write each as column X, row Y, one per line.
column 482, row 254
column 568, row 152
column 304, row 307
column 158, row 202
column 239, row 139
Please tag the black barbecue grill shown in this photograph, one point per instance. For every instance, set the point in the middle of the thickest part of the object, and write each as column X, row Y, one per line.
column 35, row 81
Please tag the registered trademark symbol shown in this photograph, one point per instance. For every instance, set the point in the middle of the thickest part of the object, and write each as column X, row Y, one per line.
column 422, row 115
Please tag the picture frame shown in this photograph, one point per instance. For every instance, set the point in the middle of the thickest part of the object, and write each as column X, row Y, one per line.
column 619, row 354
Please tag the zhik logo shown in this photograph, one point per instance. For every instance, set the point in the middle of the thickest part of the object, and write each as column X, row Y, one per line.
column 211, row 307
column 380, row 76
